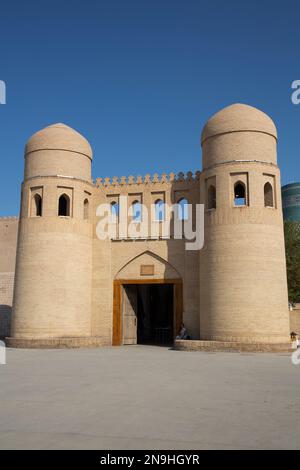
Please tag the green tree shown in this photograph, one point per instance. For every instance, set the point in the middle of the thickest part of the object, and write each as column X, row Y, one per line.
column 292, row 249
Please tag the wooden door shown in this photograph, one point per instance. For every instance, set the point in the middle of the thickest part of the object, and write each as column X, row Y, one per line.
column 129, row 314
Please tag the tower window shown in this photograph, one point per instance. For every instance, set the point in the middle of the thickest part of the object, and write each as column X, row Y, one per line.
column 211, row 197
column 240, row 194
column 86, row 209
column 136, row 211
column 114, row 209
column 36, row 206
column 183, row 209
column 268, row 195
column 159, row 210
column 64, row 206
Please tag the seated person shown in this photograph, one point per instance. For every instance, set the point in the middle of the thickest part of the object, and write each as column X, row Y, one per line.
column 183, row 334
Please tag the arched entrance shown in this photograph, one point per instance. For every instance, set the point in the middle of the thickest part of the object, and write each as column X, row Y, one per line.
column 147, row 305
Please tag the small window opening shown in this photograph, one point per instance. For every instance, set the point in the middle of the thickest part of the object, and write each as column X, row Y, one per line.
column 37, row 205
column 268, row 195
column 212, row 197
column 183, row 209
column 136, row 211
column 159, row 210
column 114, row 208
column 64, row 206
column 86, row 209
column 240, row 194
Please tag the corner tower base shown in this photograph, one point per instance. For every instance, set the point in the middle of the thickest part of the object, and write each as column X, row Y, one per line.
column 53, row 343
column 190, row 345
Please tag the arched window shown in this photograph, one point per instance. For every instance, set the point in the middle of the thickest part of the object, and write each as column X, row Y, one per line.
column 159, row 210
column 136, row 211
column 211, row 197
column 183, row 209
column 268, row 195
column 114, row 210
column 86, row 209
column 64, row 205
column 37, row 205
column 240, row 194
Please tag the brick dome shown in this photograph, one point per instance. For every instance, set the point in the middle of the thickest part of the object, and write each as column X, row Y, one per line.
column 238, row 118
column 59, row 137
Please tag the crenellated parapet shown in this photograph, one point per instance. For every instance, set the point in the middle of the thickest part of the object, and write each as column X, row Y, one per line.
column 148, row 179
column 9, row 217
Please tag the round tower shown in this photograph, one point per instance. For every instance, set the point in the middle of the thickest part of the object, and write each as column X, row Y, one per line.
column 243, row 286
column 52, row 294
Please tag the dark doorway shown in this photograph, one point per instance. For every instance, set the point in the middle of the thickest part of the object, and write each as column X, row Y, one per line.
column 155, row 314
column 153, row 307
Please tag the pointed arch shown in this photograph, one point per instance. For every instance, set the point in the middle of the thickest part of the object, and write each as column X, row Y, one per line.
column 114, row 211
column 183, row 209
column 136, row 211
column 240, row 194
column 132, row 276
column 162, row 267
column 212, row 197
column 64, row 205
column 268, row 195
column 159, row 210
column 37, row 205
column 86, row 209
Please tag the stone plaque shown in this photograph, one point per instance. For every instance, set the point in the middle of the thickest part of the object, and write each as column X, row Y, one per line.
column 147, row 269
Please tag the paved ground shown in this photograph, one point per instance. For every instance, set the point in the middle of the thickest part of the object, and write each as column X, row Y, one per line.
column 148, row 397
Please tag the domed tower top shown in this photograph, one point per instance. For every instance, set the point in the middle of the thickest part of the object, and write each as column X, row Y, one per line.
column 59, row 137
column 240, row 130
column 58, row 150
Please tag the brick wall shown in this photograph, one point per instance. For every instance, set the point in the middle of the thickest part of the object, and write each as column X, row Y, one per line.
column 8, row 243
column 295, row 319
column 6, row 295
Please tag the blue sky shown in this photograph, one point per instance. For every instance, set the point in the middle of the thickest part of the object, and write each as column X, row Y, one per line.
column 140, row 78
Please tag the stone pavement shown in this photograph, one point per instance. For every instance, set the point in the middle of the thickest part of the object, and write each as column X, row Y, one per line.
column 143, row 397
